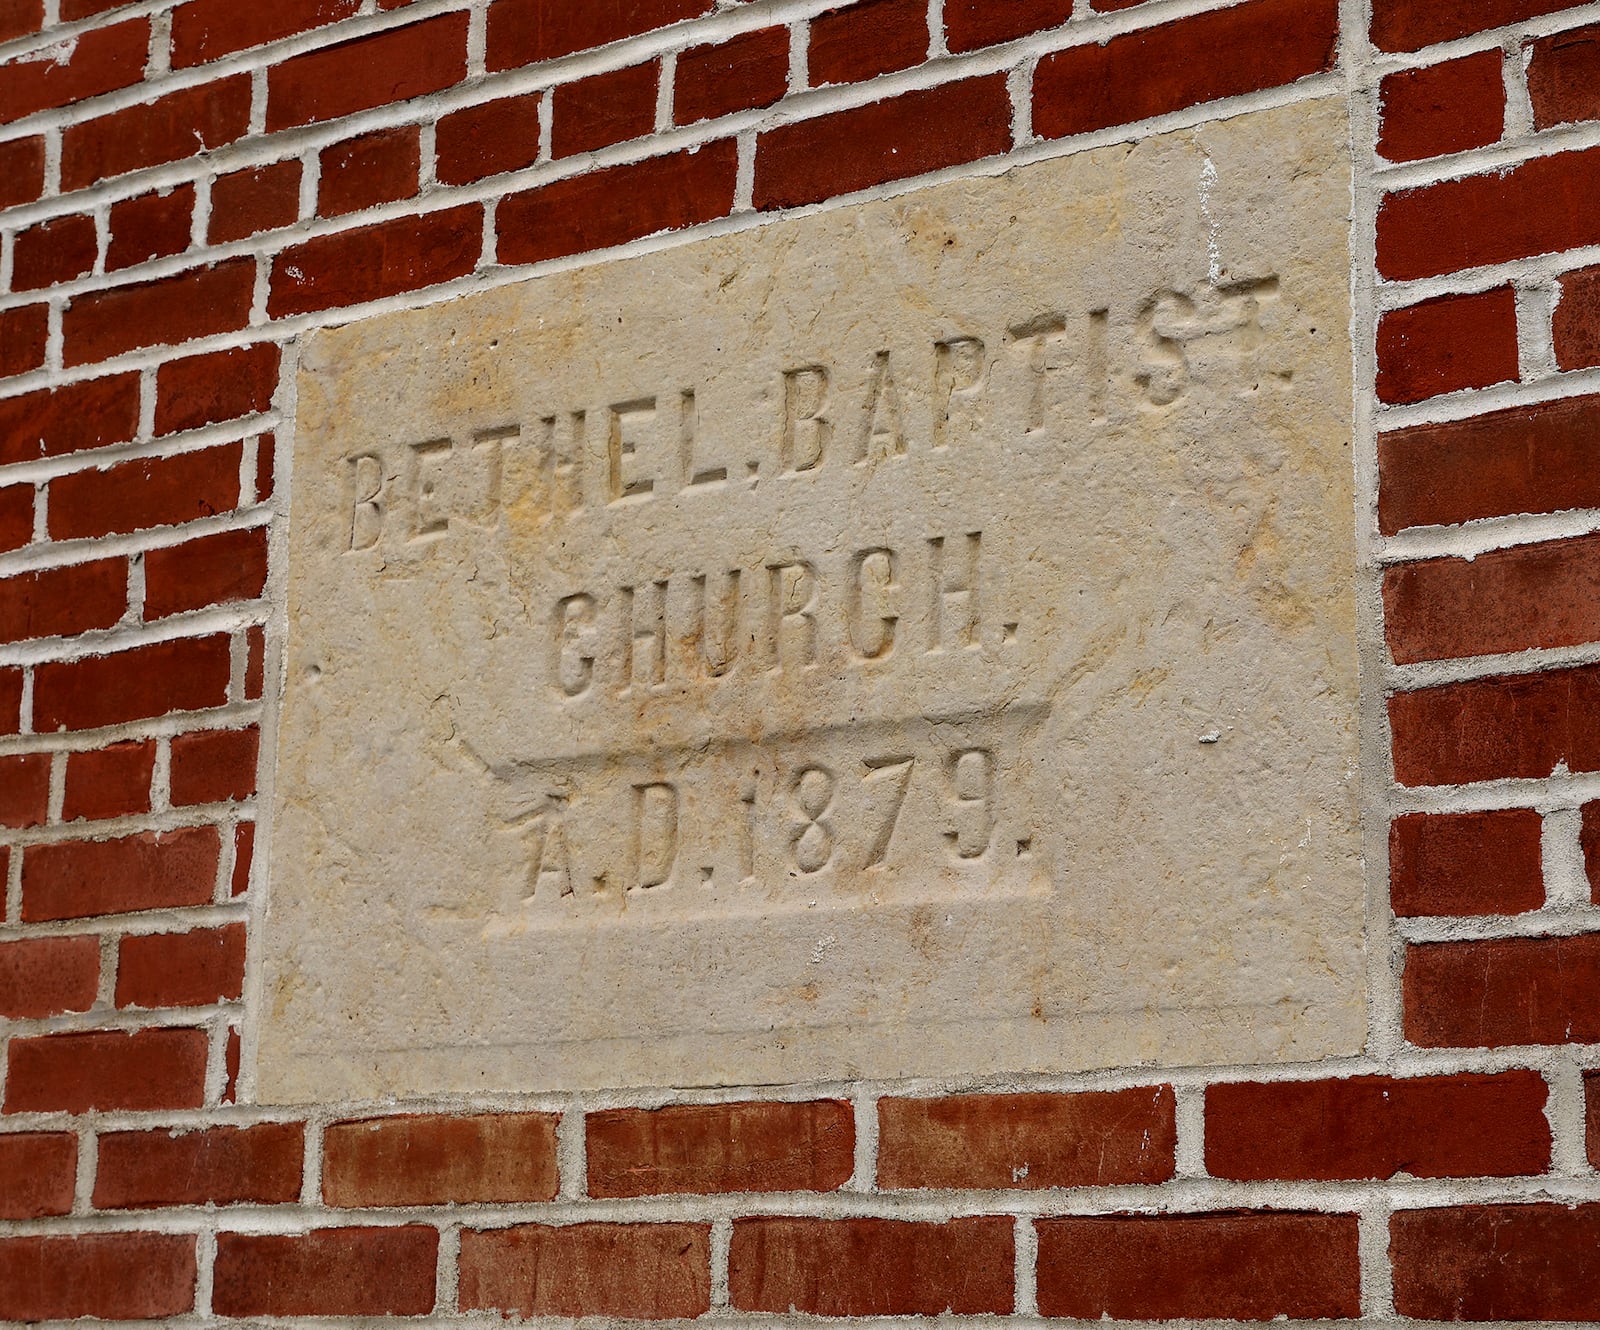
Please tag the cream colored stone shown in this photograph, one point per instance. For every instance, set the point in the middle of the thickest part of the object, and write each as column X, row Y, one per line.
column 915, row 639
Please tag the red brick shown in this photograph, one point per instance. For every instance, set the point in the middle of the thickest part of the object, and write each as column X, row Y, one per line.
column 149, row 871
column 76, row 9
column 46, row 976
column 1518, row 726
column 969, row 24
column 38, row 1171
column 705, row 1148
column 19, row 18
column 266, row 448
column 1409, row 25
column 1545, row 204
column 376, row 70
column 872, row 1267
column 1461, row 1126
column 1260, row 44
column 244, row 842
column 107, row 1070
column 523, row 31
column 211, row 766
column 99, row 61
column 146, row 492
column 371, row 262
column 1530, row 459
column 225, row 385
column 1466, row 863
column 1564, row 77
column 261, row 198
column 53, row 252
column 230, row 1060
column 1447, row 344
column 10, row 700
column 1216, row 1266
column 1006, row 1141
column 487, row 140
column 21, row 171
column 1448, row 107
column 861, row 41
column 619, row 204
column 1504, row 991
column 16, row 515
column 438, row 1160
column 109, row 782
column 210, row 29
column 168, row 129
column 1497, row 1262
column 53, row 421
column 217, row 1166
column 117, row 1276
column 167, row 311
column 1591, row 1116
column 61, row 602
column 24, row 789
column 1545, row 595
column 254, row 662
column 375, row 168
column 639, row 1271
column 1576, row 326
column 909, row 135
column 151, row 226
column 24, row 330
column 193, row 969
column 327, row 1272
column 740, row 74
column 603, row 109
column 212, row 570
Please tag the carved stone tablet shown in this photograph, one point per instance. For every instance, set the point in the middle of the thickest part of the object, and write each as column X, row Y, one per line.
column 913, row 639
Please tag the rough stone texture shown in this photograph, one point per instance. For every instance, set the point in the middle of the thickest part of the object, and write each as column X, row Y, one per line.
column 907, row 640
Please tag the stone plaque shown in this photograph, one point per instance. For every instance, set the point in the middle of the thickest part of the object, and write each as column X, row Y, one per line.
column 912, row 639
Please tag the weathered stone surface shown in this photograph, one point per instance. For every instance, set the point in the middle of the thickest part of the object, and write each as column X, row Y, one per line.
column 908, row 640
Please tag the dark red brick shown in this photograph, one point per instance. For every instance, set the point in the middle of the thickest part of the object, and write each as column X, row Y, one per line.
column 909, row 135
column 1544, row 205
column 216, row 1166
column 872, row 1267
column 244, row 842
column 53, row 252
column 1409, row 25
column 390, row 66
column 1504, row 991
column 375, row 168
column 115, row 1276
column 150, row 226
column 1462, row 1126
column 969, row 24
column 1466, row 863
column 440, row 1160
column 603, row 109
column 707, row 1148
column 24, row 332
column 622, row 203
column 99, row 61
column 107, row 1070
column 24, row 789
column 45, row 976
column 1564, row 77
column 1448, row 344
column 740, row 74
column 1237, row 1267
column 62, row 602
column 524, row 31
column 10, row 700
column 16, row 516
column 1576, row 327
column 638, row 1271
column 1589, row 843
column 371, row 262
column 200, row 390
column 193, row 969
column 210, row 29
column 38, row 1171
column 261, row 198
column 167, row 311
column 213, row 570
column 53, row 421
column 148, row 871
column 1448, row 107
column 144, row 493
column 168, row 129
column 211, row 766
column 1591, row 1117
column 1006, row 1141
column 327, row 1272
column 21, row 171
column 109, row 782
column 1497, row 1263
column 487, row 140
column 861, row 41
column 20, row 18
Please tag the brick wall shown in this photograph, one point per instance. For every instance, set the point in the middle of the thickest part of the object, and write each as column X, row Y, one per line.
column 187, row 185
